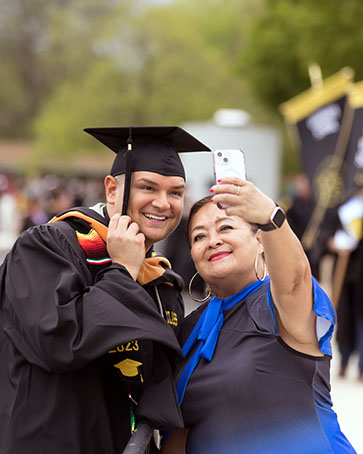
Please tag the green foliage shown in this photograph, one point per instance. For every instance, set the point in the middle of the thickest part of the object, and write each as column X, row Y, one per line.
column 286, row 38
column 12, row 100
column 159, row 71
column 42, row 44
column 76, row 105
column 69, row 64
column 289, row 35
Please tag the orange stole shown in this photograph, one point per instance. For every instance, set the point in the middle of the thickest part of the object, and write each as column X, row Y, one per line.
column 96, row 240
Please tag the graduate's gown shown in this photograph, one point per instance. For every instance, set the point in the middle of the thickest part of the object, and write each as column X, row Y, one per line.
column 77, row 336
column 257, row 395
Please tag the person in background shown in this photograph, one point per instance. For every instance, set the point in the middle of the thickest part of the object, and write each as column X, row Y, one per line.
column 299, row 214
column 348, row 282
column 255, row 377
column 36, row 214
column 89, row 312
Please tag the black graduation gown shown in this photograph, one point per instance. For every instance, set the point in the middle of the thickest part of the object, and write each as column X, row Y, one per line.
column 58, row 320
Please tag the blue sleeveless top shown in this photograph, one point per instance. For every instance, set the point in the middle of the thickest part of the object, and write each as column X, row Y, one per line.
column 243, row 390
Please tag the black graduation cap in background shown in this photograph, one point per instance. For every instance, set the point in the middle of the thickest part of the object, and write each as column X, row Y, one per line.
column 146, row 148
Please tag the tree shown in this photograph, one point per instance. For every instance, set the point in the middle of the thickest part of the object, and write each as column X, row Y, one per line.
column 43, row 42
column 289, row 35
column 153, row 68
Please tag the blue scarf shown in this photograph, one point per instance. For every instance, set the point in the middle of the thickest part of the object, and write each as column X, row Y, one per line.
column 207, row 331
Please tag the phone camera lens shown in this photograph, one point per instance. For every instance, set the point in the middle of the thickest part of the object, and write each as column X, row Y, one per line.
column 225, row 159
column 219, row 154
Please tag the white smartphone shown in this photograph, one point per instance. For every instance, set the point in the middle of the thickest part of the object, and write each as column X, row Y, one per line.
column 229, row 163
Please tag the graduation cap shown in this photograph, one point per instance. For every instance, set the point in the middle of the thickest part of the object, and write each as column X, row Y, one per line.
column 146, row 148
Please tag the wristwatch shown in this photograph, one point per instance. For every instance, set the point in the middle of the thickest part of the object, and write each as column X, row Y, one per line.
column 276, row 220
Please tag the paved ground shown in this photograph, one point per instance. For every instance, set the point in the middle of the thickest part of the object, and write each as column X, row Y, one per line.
column 347, row 396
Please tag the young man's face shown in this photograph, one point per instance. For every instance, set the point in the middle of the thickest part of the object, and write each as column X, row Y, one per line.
column 155, row 203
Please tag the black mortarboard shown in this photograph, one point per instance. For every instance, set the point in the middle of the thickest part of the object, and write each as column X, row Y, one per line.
column 146, row 148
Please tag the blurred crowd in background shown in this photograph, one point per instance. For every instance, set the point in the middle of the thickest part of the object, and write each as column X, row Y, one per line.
column 34, row 199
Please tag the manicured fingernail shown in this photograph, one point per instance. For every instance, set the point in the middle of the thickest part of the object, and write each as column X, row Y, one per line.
column 218, row 181
column 211, row 190
column 211, row 200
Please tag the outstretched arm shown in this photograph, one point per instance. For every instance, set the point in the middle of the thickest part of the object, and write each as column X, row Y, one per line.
column 287, row 264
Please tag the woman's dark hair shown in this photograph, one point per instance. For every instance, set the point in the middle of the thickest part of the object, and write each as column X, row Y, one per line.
column 196, row 207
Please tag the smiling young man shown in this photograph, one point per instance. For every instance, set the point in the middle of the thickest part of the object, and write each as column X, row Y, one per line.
column 88, row 311
column 156, row 202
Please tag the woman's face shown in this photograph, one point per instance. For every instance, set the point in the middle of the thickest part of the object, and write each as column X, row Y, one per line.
column 222, row 247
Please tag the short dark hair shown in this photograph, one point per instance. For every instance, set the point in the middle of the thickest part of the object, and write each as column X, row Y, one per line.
column 196, row 207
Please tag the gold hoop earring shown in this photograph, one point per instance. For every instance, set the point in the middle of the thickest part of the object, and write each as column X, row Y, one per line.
column 190, row 291
column 264, row 267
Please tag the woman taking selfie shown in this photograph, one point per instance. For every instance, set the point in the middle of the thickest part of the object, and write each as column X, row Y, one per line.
column 255, row 378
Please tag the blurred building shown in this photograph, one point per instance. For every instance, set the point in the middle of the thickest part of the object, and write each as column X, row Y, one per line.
column 231, row 129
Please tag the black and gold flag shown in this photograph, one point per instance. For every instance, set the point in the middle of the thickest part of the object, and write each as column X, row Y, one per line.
column 321, row 120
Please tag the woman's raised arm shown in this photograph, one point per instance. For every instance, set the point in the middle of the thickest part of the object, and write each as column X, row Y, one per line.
column 287, row 264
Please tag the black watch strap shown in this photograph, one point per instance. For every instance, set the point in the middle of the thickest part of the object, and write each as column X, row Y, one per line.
column 277, row 218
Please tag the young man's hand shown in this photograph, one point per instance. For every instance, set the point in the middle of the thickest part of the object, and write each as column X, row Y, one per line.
column 125, row 243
